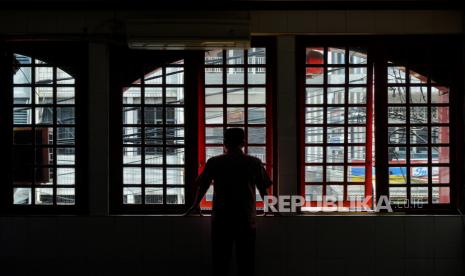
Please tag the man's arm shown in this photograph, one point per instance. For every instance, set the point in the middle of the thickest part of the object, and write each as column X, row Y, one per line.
column 263, row 181
column 202, row 183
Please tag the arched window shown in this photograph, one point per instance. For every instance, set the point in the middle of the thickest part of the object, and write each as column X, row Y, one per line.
column 43, row 133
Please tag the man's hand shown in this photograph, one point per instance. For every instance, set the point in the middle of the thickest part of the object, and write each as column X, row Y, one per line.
column 194, row 210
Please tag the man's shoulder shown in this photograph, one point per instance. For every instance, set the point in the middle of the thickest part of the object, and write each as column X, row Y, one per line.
column 254, row 159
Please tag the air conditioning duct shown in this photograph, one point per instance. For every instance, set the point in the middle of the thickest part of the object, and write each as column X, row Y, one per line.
column 189, row 34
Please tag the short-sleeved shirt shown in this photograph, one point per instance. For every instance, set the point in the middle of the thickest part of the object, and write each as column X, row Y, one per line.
column 235, row 176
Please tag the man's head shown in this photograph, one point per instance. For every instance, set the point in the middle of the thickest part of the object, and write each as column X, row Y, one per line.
column 234, row 138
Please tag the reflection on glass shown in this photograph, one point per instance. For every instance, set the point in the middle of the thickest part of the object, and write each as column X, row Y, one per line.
column 440, row 175
column 314, row 115
column 235, row 76
column 214, row 135
column 235, row 115
column 397, row 115
column 259, row 152
column 441, row 195
column 357, row 95
column 419, row 94
column 358, row 75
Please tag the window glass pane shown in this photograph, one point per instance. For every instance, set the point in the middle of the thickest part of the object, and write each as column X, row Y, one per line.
column 397, row 115
column 256, row 75
column 22, row 196
column 174, row 135
column 153, row 155
column 256, row 56
column 356, row 174
column 396, row 74
column 356, row 192
column 213, row 115
column 398, row 195
column 154, row 95
column 397, row 175
column 314, row 115
column 314, row 55
column 335, row 154
column 213, row 76
column 65, row 196
column 174, row 95
column 131, row 115
column 235, row 95
column 313, row 154
column 65, row 176
column 214, row 135
column 336, row 56
column 256, row 95
column 43, row 196
column 235, row 76
column 335, row 173
column 358, row 75
column 419, row 115
column 439, row 135
column 357, row 95
column 313, row 193
column 356, row 134
column 132, row 175
column 175, row 176
column 153, row 176
column 65, row 95
column 357, row 55
column 335, row 135
column 213, row 95
column 440, row 114
column 235, row 115
column 418, row 195
column 397, row 95
column 132, row 195
column 314, row 75
column 440, row 154
column 439, row 94
column 335, row 95
column 313, row 135
column 175, row 196
column 313, row 173
column 419, row 175
column 174, row 75
column 132, row 155
column 154, row 195
column 175, row 156
column 256, row 135
column 419, row 94
column 256, row 115
column 440, row 175
column 335, row 192
column 441, row 195
column 132, row 135
column 336, row 75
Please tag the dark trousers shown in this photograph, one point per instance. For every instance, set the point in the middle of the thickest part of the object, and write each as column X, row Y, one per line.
column 224, row 236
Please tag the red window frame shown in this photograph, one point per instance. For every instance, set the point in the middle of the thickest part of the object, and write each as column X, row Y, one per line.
column 223, row 86
column 412, row 54
column 318, row 63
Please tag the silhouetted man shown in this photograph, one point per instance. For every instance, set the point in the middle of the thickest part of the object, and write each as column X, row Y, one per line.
column 235, row 176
